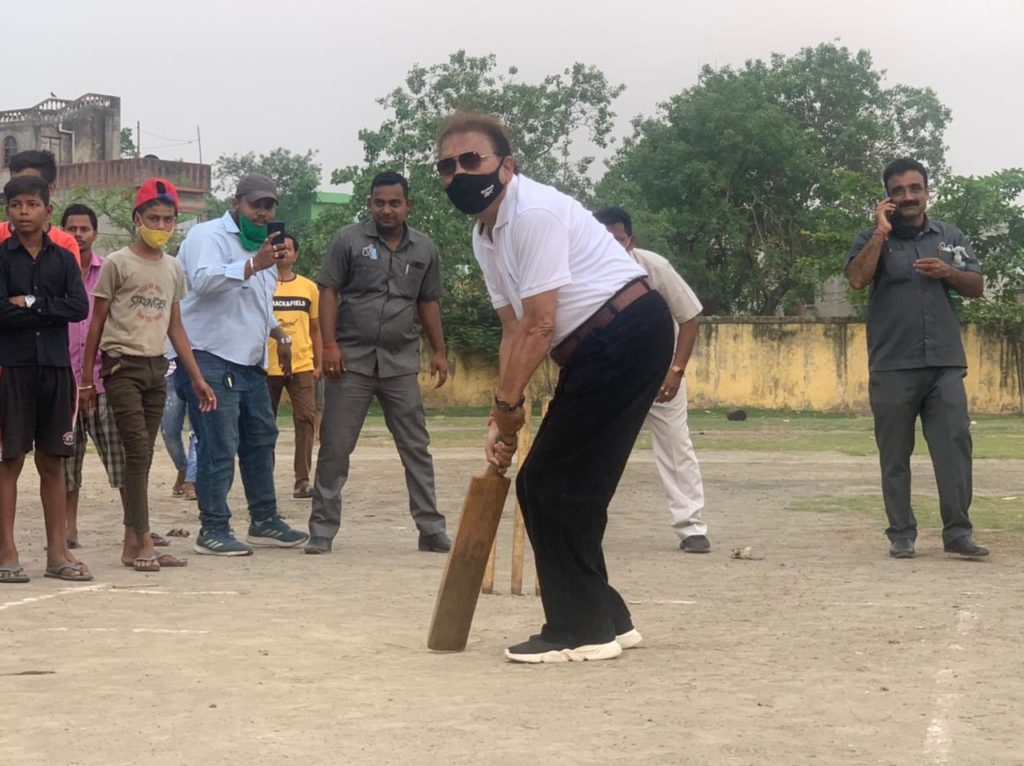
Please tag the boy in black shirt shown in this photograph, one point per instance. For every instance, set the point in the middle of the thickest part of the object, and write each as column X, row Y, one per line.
column 40, row 292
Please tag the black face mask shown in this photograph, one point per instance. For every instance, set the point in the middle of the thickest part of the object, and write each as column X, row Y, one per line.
column 472, row 194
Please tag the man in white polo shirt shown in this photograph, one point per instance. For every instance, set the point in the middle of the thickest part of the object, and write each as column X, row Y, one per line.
column 561, row 285
column 670, row 435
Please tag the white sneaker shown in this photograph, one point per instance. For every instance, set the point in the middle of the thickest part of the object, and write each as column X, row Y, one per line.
column 629, row 639
column 536, row 650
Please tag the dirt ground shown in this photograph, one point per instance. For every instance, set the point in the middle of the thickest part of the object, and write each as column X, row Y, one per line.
column 824, row 651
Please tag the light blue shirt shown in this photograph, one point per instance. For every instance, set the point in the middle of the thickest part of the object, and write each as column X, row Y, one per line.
column 226, row 314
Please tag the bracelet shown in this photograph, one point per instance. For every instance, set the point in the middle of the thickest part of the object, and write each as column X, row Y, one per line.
column 332, row 344
column 252, row 268
column 85, row 388
column 506, row 407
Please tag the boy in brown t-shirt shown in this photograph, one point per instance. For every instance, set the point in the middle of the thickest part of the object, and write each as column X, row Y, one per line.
column 136, row 308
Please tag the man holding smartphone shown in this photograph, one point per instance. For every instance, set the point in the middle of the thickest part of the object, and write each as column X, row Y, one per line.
column 915, row 353
column 231, row 269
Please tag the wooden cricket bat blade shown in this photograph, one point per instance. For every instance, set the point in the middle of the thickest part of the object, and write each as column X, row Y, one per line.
column 464, row 569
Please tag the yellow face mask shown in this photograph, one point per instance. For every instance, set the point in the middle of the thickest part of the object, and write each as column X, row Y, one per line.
column 155, row 238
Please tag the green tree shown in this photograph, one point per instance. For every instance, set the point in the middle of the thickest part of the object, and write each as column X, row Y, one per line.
column 754, row 181
column 128, row 148
column 988, row 210
column 297, row 177
column 550, row 120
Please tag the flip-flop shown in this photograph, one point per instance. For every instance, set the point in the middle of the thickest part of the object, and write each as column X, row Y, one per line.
column 12, row 575
column 145, row 563
column 159, row 540
column 78, row 572
column 167, row 560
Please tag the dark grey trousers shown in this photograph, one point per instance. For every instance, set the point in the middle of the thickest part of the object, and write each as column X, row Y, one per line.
column 937, row 395
column 346, row 401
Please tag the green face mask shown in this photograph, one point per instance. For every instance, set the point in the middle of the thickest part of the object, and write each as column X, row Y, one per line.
column 252, row 236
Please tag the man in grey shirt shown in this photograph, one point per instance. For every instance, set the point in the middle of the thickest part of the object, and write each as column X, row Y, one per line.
column 377, row 278
column 915, row 353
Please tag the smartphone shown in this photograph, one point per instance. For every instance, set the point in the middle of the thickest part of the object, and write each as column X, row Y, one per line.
column 274, row 231
column 888, row 213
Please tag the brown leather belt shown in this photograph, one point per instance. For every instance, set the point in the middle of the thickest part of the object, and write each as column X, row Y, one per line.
column 601, row 318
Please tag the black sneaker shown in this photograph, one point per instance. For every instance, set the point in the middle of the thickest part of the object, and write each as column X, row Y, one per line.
column 439, row 542
column 965, row 546
column 695, row 544
column 902, row 549
column 318, row 545
column 536, row 650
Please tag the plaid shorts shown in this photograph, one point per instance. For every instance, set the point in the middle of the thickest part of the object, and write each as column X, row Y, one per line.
column 102, row 429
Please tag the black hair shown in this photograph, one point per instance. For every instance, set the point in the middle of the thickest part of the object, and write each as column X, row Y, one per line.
column 901, row 166
column 464, row 121
column 35, row 159
column 390, row 178
column 78, row 208
column 613, row 215
column 30, row 185
column 295, row 242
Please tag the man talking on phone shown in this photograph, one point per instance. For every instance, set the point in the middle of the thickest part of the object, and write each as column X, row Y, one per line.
column 915, row 354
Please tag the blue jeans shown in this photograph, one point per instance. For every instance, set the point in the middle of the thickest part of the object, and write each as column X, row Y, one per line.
column 243, row 424
column 170, row 429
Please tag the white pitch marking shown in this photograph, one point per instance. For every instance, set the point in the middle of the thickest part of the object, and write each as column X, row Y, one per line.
column 48, row 596
column 182, row 593
column 133, row 630
column 660, row 601
column 938, row 739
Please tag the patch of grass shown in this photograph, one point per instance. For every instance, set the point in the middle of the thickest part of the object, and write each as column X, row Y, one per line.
column 987, row 513
column 1000, row 437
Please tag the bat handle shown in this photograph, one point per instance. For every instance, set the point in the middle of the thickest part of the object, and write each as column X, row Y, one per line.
column 493, row 470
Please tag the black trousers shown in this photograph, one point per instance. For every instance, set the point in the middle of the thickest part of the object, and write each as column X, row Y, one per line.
column 937, row 395
column 564, row 487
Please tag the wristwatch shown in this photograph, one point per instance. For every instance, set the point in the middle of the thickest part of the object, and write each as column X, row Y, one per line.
column 502, row 406
column 30, row 301
column 284, row 340
column 676, row 369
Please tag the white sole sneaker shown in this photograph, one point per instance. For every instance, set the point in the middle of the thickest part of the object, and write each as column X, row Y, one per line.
column 272, row 542
column 585, row 653
column 629, row 639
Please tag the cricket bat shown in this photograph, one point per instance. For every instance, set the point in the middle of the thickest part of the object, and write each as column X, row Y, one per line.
column 464, row 569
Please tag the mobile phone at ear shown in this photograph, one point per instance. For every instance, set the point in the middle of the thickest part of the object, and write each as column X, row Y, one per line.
column 888, row 213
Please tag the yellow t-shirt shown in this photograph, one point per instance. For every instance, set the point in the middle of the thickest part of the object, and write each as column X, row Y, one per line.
column 296, row 304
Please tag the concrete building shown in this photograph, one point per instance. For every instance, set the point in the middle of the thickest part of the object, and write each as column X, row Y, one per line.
column 87, row 129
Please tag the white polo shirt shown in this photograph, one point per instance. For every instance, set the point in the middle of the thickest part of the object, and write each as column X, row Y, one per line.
column 681, row 299
column 545, row 240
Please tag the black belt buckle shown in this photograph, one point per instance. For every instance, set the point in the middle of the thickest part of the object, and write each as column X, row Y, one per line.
column 229, row 380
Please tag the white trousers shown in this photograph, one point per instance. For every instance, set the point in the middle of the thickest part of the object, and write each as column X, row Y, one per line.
column 677, row 464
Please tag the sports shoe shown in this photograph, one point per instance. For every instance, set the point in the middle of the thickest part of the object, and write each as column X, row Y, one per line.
column 536, row 650
column 629, row 639
column 965, row 546
column 439, row 542
column 275, row 533
column 220, row 542
column 695, row 544
column 318, row 545
column 902, row 548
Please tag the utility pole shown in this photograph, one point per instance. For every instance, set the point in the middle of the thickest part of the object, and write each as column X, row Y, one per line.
column 199, row 140
column 138, row 137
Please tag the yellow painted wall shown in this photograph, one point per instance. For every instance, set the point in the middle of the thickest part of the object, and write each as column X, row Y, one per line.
column 787, row 363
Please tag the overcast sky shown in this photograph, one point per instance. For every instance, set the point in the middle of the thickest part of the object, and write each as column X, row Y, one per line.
column 303, row 74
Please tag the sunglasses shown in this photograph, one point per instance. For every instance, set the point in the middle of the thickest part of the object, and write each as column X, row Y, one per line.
column 468, row 161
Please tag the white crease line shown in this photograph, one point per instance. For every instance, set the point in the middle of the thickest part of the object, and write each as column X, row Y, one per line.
column 938, row 739
column 660, row 601
column 48, row 596
column 177, row 593
column 166, row 631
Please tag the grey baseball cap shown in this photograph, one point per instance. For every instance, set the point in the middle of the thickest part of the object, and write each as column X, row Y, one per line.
column 256, row 187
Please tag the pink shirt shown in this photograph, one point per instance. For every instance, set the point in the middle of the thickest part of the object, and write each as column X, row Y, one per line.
column 78, row 331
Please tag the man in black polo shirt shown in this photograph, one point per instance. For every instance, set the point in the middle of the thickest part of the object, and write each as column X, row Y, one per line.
column 40, row 292
column 915, row 354
column 377, row 278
